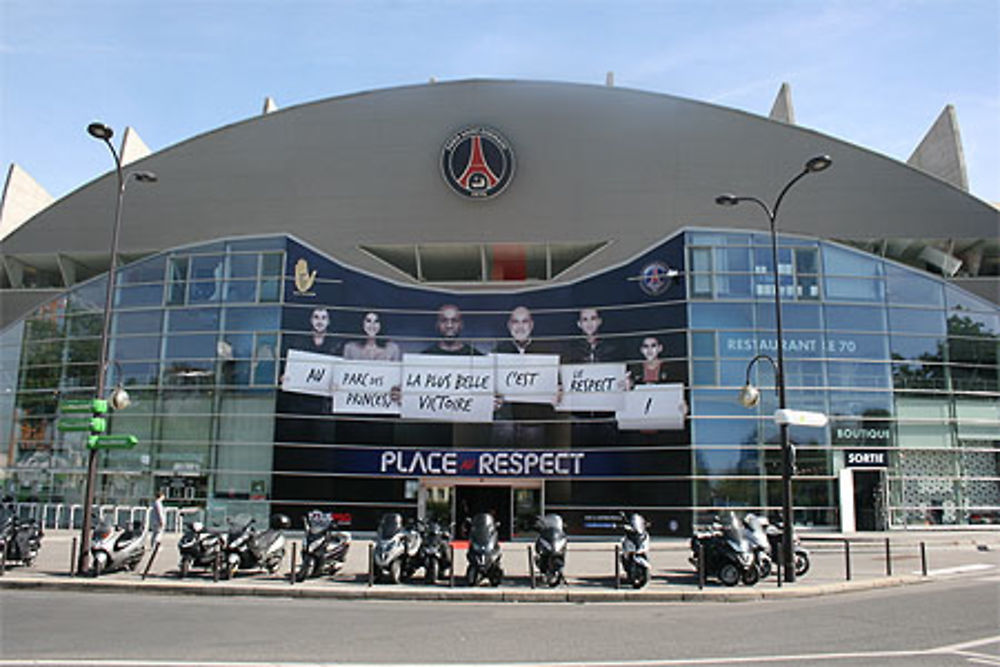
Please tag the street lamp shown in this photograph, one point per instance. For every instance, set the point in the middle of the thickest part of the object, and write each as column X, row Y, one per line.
column 119, row 398
column 749, row 395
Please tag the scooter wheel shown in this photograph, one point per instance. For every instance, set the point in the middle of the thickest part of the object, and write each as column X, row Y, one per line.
column 750, row 576
column 801, row 563
column 472, row 576
column 729, row 574
column 496, row 576
column 765, row 566
column 552, row 579
column 306, row 570
column 641, row 577
column 184, row 569
column 395, row 571
column 431, row 572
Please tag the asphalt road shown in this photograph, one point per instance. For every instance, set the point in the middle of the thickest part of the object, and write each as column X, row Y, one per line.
column 913, row 625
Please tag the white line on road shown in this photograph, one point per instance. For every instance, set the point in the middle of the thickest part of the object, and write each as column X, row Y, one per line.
column 958, row 569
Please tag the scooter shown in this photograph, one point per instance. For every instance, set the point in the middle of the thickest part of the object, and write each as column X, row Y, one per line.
column 20, row 539
column 116, row 547
column 434, row 553
column 396, row 549
column 324, row 548
column 754, row 531
column 199, row 547
column 484, row 551
column 775, row 536
column 728, row 556
column 550, row 549
column 246, row 549
column 635, row 550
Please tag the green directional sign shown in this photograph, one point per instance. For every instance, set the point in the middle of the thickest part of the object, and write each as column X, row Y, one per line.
column 89, row 424
column 116, row 441
column 88, row 406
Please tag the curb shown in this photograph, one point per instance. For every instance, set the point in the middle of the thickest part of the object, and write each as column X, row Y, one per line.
column 424, row 594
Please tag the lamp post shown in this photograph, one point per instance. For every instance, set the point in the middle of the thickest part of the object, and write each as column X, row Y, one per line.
column 749, row 396
column 120, row 398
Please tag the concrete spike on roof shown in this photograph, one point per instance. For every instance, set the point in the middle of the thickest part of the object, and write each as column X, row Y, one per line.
column 22, row 198
column 940, row 152
column 269, row 105
column 782, row 109
column 133, row 147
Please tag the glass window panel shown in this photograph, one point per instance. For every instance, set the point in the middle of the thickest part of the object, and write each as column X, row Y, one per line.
column 270, row 264
column 860, row 403
column 148, row 271
column 204, row 291
column 855, row 318
column 806, row 260
column 252, row 319
column 909, row 287
column 978, row 420
column 804, row 373
column 703, row 344
column 923, row 422
column 244, row 291
column 724, row 431
column 177, row 275
column 701, row 260
column 807, row 288
column 206, row 278
column 959, row 299
column 854, row 289
column 704, row 373
column 919, row 376
column 713, row 238
column 243, row 266
column 517, row 261
column 762, row 261
column 129, row 348
column 974, row 324
column 732, row 286
column 140, row 295
column 193, row 319
column 843, row 262
column 450, row 263
column 974, row 378
column 722, row 402
column 857, row 346
column 267, row 243
column 857, row 374
column 270, row 290
column 84, row 325
column 736, row 461
column 917, row 347
column 972, row 350
column 734, row 373
column 701, row 285
column 191, row 346
column 145, row 373
column 916, row 321
column 793, row 316
column 189, row 372
column 141, row 322
column 721, row 316
column 264, row 360
column 730, row 259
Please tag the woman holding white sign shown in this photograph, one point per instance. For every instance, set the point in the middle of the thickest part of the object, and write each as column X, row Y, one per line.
column 374, row 347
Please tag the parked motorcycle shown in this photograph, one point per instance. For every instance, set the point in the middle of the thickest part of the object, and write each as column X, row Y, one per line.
column 484, row 551
column 435, row 556
column 550, row 549
column 396, row 551
column 20, row 539
column 635, row 550
column 199, row 547
column 774, row 537
column 324, row 549
column 116, row 547
column 728, row 556
column 248, row 549
column 756, row 534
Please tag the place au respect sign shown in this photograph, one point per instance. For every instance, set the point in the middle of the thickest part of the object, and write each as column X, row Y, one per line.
column 471, row 388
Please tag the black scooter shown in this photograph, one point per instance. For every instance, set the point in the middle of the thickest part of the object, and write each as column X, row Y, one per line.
column 324, row 549
column 199, row 547
column 728, row 556
column 435, row 556
column 247, row 549
column 550, row 549
column 484, row 551
column 20, row 539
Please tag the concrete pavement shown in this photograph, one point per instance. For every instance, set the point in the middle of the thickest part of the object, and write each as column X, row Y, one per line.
column 590, row 569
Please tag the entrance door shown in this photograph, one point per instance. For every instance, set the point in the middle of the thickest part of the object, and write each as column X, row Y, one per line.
column 869, row 499
column 472, row 500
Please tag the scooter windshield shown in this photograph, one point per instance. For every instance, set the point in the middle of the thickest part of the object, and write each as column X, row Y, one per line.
column 389, row 525
column 637, row 524
column 483, row 528
column 318, row 522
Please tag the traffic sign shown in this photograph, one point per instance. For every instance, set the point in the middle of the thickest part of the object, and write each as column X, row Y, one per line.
column 89, row 424
column 115, row 441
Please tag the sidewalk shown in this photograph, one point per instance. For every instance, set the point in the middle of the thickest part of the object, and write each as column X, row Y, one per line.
column 590, row 570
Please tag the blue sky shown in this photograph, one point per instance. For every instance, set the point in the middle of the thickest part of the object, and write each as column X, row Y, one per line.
column 876, row 73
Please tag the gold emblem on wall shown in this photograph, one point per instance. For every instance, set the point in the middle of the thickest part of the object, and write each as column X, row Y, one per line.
column 304, row 280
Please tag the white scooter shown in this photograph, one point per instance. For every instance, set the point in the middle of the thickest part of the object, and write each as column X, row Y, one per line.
column 115, row 548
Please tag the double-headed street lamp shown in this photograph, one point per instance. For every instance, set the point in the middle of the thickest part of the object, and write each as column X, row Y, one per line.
column 749, row 396
column 119, row 398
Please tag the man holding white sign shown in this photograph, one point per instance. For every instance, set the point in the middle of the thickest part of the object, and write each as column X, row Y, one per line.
column 527, row 378
column 593, row 394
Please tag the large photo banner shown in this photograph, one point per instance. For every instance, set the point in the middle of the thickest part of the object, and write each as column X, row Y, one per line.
column 366, row 387
column 592, row 387
column 527, row 378
column 308, row 373
column 439, row 387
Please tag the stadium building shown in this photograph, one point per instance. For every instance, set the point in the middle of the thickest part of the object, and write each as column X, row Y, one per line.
column 516, row 297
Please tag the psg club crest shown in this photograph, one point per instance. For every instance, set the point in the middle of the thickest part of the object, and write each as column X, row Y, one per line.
column 477, row 162
column 656, row 278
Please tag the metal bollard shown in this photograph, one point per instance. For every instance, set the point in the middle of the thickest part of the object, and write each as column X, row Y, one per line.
column 888, row 559
column 531, row 568
column 847, row 560
column 451, row 570
column 923, row 558
column 618, row 567
column 371, row 564
column 152, row 557
column 781, row 564
column 72, row 558
column 701, row 565
column 291, row 575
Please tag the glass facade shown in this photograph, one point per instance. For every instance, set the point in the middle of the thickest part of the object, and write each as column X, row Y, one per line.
column 209, row 341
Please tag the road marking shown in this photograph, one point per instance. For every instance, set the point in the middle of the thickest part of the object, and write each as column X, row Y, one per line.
column 959, row 569
column 960, row 649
